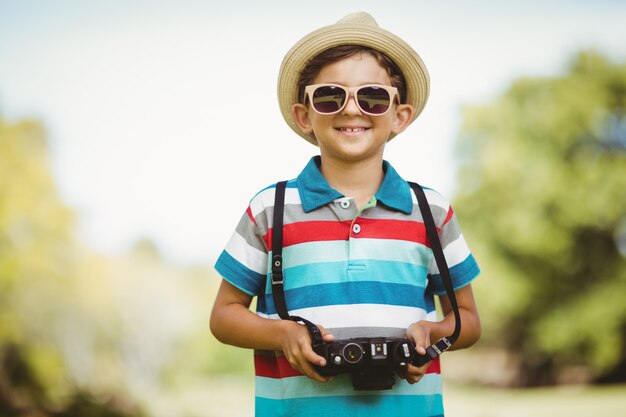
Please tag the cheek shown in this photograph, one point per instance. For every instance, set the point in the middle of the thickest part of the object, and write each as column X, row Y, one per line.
column 319, row 121
column 388, row 121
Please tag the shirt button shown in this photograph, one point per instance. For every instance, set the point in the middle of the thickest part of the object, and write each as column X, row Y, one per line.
column 345, row 204
column 356, row 229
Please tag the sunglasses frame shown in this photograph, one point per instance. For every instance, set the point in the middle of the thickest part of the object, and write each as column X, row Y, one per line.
column 309, row 90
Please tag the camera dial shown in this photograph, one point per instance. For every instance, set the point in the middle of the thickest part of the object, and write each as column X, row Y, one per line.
column 352, row 353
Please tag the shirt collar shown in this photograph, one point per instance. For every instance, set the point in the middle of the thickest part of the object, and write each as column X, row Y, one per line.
column 394, row 192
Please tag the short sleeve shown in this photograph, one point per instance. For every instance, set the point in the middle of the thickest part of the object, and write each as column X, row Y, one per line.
column 461, row 263
column 243, row 262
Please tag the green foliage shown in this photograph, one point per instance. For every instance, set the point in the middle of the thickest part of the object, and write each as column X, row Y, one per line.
column 543, row 192
column 46, row 316
column 86, row 335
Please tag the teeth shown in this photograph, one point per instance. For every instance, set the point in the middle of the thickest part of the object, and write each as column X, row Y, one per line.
column 353, row 130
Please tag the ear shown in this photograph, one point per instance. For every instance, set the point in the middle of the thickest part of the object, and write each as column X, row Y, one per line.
column 404, row 114
column 300, row 114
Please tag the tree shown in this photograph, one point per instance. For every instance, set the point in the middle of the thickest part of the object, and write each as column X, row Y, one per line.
column 542, row 189
column 88, row 335
column 42, row 305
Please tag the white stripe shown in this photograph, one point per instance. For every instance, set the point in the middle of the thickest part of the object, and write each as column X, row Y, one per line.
column 249, row 256
column 434, row 199
column 266, row 199
column 362, row 315
column 455, row 253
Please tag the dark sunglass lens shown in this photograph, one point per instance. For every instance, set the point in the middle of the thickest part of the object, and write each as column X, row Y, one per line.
column 328, row 99
column 374, row 100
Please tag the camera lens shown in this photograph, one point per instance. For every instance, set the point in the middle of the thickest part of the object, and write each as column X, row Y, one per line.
column 352, row 353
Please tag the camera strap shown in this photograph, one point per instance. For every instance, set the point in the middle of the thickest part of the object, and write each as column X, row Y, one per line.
column 278, row 292
column 444, row 343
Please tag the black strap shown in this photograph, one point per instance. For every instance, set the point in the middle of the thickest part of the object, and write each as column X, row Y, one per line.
column 278, row 292
column 277, row 251
column 431, row 230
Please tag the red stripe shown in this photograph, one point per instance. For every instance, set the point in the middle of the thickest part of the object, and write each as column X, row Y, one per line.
column 273, row 367
column 278, row 367
column 250, row 215
column 392, row 229
column 316, row 231
column 434, row 367
column 449, row 216
column 313, row 231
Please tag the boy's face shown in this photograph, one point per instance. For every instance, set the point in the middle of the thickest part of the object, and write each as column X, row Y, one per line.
column 350, row 135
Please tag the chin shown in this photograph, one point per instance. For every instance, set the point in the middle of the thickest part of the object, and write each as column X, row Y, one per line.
column 357, row 156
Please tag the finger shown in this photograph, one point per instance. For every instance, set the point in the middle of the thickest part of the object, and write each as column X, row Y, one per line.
column 309, row 370
column 421, row 349
column 304, row 363
column 413, row 374
column 309, row 355
column 326, row 336
column 415, row 371
column 413, row 379
column 292, row 358
column 420, row 337
column 309, row 359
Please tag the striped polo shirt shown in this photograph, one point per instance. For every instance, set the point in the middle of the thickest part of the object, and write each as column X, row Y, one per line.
column 359, row 273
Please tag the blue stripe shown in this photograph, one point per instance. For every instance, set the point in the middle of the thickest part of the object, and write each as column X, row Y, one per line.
column 356, row 270
column 357, row 405
column 239, row 275
column 461, row 274
column 359, row 292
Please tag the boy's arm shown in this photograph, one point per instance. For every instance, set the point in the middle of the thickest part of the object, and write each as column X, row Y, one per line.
column 424, row 333
column 233, row 323
column 470, row 320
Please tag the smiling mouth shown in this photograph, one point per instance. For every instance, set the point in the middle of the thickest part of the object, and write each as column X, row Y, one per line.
column 352, row 129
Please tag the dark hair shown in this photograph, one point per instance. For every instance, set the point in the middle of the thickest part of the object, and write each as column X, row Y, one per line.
column 329, row 56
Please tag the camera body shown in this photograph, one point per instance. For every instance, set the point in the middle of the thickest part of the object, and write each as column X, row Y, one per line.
column 371, row 361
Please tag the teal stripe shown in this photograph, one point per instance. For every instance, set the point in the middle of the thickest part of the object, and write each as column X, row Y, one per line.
column 312, row 274
column 356, row 405
column 356, row 271
column 376, row 249
column 302, row 387
column 461, row 274
column 314, row 252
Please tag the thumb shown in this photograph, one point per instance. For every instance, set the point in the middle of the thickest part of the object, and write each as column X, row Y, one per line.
column 419, row 335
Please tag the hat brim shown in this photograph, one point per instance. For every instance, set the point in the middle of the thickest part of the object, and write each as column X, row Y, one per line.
column 407, row 60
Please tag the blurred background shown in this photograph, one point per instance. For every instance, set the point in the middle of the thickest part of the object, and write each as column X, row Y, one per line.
column 133, row 134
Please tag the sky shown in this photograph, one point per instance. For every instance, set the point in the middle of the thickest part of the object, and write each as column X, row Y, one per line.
column 162, row 116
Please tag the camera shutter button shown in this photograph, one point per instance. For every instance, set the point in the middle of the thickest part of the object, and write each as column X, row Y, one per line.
column 337, row 360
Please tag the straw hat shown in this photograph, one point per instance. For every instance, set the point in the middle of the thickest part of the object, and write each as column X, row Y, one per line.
column 354, row 29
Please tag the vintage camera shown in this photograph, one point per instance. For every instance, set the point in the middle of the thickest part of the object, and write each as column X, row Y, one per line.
column 371, row 361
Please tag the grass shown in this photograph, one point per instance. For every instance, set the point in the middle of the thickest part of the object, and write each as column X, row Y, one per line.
column 569, row 401
column 234, row 397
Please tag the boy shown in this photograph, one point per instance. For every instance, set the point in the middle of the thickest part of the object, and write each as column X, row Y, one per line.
column 354, row 260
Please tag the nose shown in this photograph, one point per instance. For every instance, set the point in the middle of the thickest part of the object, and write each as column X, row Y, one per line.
column 351, row 106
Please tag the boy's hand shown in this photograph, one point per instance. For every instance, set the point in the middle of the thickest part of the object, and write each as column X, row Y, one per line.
column 296, row 343
column 420, row 335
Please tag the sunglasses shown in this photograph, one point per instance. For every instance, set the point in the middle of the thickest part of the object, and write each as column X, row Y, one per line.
column 371, row 99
